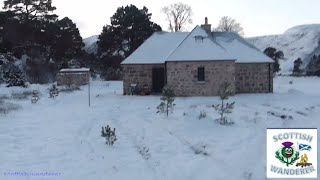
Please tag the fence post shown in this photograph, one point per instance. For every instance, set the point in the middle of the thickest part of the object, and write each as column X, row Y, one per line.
column 89, row 90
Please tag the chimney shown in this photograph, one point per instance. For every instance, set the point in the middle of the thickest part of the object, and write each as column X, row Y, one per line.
column 206, row 26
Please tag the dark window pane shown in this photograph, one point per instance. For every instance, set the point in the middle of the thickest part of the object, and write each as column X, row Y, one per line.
column 200, row 73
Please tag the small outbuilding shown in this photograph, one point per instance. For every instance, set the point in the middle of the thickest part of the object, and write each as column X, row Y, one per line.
column 77, row 77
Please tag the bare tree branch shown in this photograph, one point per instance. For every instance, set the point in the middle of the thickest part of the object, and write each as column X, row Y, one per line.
column 178, row 15
column 228, row 24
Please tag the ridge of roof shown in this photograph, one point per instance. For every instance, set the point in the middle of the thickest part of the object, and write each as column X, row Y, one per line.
column 190, row 50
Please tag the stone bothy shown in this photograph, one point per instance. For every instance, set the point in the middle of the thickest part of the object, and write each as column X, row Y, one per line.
column 76, row 77
column 196, row 63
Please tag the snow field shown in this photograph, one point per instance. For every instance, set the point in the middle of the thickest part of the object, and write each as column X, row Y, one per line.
column 63, row 135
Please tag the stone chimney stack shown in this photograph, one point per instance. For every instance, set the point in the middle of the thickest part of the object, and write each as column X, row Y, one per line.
column 206, row 26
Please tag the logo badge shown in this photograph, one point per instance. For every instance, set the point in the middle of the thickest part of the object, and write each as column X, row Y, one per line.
column 291, row 153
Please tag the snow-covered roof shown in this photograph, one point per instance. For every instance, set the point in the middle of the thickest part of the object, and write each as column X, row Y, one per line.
column 156, row 49
column 196, row 45
column 240, row 48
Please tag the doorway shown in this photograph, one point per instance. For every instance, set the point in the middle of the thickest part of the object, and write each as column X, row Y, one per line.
column 158, row 80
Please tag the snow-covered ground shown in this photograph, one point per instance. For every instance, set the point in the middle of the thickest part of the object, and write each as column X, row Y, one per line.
column 63, row 135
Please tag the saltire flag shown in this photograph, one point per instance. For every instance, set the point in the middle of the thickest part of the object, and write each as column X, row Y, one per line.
column 304, row 147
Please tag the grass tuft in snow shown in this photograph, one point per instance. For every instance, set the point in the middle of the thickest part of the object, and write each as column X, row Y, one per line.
column 53, row 92
column 144, row 152
column 203, row 114
column 279, row 115
column 21, row 95
column 3, row 97
column 5, row 108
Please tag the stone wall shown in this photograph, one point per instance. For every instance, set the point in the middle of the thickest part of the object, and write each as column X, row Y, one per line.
column 254, row 78
column 138, row 73
column 183, row 77
column 69, row 79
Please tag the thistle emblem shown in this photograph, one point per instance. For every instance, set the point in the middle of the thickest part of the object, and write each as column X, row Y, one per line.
column 287, row 154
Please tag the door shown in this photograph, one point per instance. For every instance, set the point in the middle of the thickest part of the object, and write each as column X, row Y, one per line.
column 157, row 79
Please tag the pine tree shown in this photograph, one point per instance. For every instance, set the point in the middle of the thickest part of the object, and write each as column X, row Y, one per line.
column 109, row 134
column 129, row 28
column 67, row 43
column 276, row 56
column 224, row 108
column 313, row 68
column 167, row 99
column 13, row 76
column 28, row 10
column 296, row 67
column 30, row 27
column 10, row 31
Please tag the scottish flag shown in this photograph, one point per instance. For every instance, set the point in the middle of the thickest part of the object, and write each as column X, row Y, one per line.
column 304, row 147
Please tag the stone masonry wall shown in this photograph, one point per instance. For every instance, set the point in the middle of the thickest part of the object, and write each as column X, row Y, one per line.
column 254, row 78
column 138, row 73
column 77, row 79
column 183, row 77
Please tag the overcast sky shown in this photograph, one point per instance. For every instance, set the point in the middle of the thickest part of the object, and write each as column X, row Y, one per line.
column 257, row 17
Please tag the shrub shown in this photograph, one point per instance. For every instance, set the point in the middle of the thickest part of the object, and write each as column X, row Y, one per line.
column 202, row 114
column 109, row 134
column 35, row 97
column 167, row 99
column 53, row 92
column 224, row 108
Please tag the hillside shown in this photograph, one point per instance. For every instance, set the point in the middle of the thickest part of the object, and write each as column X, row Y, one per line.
column 90, row 44
column 300, row 41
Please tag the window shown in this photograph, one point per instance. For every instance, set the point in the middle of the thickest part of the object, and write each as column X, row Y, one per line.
column 199, row 38
column 200, row 73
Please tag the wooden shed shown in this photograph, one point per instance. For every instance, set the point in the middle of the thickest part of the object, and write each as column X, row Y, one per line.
column 77, row 77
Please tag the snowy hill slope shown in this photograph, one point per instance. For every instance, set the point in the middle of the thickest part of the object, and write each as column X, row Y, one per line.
column 91, row 44
column 301, row 41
